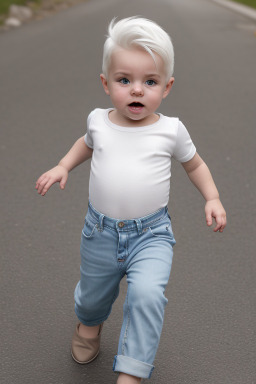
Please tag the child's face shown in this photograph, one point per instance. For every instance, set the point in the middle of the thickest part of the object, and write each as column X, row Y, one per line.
column 136, row 85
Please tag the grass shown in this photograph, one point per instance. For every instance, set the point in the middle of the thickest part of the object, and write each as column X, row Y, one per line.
column 5, row 4
column 250, row 3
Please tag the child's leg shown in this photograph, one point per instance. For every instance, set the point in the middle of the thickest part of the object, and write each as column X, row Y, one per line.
column 123, row 378
column 148, row 271
column 100, row 277
column 97, row 289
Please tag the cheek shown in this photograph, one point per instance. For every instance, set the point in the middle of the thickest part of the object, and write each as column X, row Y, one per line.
column 118, row 95
column 156, row 98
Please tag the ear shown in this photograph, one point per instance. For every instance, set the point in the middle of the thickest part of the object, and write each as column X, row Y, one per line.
column 168, row 87
column 104, row 83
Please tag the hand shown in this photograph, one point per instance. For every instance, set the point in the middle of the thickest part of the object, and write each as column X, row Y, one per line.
column 54, row 175
column 214, row 209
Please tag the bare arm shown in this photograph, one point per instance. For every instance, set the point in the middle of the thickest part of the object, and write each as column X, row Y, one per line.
column 199, row 174
column 79, row 153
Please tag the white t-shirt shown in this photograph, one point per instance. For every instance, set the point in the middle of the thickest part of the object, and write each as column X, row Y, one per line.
column 131, row 167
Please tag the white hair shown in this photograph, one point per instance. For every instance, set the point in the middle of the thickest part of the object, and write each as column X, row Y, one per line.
column 138, row 32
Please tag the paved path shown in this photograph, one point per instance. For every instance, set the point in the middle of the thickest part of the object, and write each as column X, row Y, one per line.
column 49, row 82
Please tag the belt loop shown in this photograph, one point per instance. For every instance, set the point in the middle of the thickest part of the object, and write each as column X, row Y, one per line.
column 101, row 222
column 139, row 226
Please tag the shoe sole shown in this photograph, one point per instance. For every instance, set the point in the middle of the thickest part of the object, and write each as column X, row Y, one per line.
column 84, row 362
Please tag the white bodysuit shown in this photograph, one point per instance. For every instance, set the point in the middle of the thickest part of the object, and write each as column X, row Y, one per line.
column 131, row 167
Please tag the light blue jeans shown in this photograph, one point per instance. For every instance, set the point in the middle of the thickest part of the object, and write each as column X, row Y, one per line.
column 141, row 249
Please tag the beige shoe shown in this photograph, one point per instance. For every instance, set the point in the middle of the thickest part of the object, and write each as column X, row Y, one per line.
column 85, row 350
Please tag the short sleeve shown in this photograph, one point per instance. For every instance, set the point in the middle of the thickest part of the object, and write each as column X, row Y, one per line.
column 184, row 149
column 88, row 136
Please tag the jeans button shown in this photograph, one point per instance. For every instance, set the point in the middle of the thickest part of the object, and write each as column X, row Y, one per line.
column 121, row 224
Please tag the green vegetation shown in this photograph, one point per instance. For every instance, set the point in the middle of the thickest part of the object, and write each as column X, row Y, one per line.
column 5, row 4
column 250, row 3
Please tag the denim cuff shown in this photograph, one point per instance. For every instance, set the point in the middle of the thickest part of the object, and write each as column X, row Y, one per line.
column 132, row 367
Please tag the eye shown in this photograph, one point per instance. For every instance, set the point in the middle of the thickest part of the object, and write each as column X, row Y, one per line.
column 151, row 82
column 124, row 81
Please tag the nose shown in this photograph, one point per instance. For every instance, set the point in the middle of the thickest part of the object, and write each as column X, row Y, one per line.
column 137, row 89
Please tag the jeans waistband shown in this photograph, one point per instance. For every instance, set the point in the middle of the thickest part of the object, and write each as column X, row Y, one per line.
column 126, row 225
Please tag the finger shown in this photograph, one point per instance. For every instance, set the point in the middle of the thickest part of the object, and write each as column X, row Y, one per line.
column 208, row 219
column 217, row 228
column 63, row 181
column 39, row 180
column 41, row 184
column 219, row 224
column 47, row 186
column 224, row 223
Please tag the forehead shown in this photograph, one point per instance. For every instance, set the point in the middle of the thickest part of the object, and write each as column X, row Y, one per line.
column 136, row 59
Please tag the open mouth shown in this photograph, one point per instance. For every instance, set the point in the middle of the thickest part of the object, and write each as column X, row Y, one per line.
column 138, row 105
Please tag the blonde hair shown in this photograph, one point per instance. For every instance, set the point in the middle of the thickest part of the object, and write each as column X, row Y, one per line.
column 138, row 32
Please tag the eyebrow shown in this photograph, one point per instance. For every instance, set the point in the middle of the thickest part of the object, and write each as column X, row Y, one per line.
column 121, row 74
column 152, row 75
column 129, row 74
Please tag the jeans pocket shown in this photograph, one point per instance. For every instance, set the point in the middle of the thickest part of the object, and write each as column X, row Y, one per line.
column 163, row 230
column 88, row 229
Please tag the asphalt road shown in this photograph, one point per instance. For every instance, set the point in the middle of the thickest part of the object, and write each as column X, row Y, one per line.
column 49, row 82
